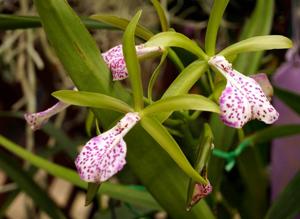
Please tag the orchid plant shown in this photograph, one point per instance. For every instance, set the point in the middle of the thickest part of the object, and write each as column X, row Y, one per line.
column 147, row 120
column 243, row 99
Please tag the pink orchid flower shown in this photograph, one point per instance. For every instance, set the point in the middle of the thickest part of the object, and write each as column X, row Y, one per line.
column 104, row 155
column 200, row 192
column 116, row 63
column 243, row 99
column 37, row 120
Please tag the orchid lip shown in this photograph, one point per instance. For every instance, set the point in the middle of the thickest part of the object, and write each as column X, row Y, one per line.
column 104, row 155
column 243, row 99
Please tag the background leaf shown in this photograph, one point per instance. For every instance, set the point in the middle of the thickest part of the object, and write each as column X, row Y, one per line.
column 287, row 204
column 291, row 99
column 27, row 185
column 260, row 23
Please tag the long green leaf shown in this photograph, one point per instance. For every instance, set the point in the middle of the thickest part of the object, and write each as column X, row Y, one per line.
column 121, row 24
column 123, row 193
column 257, row 43
column 161, row 14
column 83, row 59
column 167, row 142
column 291, row 99
column 260, row 23
column 132, row 62
column 11, row 22
column 274, row 132
column 174, row 39
column 182, row 102
column 214, row 21
column 287, row 204
column 90, row 99
column 184, row 82
column 26, row 183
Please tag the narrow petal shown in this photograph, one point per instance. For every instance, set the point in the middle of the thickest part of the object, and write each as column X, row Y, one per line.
column 265, row 84
column 115, row 60
column 37, row 120
column 243, row 97
column 104, row 155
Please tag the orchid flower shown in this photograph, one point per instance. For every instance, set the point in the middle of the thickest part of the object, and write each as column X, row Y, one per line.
column 200, row 192
column 104, row 155
column 243, row 99
column 115, row 60
column 37, row 120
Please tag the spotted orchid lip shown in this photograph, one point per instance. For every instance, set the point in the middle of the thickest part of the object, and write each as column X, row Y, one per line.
column 104, row 155
column 114, row 59
column 242, row 99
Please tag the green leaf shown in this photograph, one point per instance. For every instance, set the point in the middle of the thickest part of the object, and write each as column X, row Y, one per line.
column 132, row 62
column 90, row 99
column 274, row 132
column 121, row 24
column 181, row 102
column 161, row 14
column 155, row 75
column 184, row 82
column 291, row 99
column 287, row 204
column 257, row 43
column 123, row 193
column 26, row 183
column 11, row 22
column 81, row 58
column 260, row 23
column 174, row 39
column 92, row 191
column 167, row 142
column 214, row 21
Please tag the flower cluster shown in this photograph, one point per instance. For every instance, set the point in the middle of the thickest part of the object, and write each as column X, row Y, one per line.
column 242, row 100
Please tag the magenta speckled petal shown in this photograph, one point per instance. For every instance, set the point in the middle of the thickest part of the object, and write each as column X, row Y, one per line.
column 37, row 120
column 243, row 99
column 235, row 110
column 104, row 155
column 115, row 60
